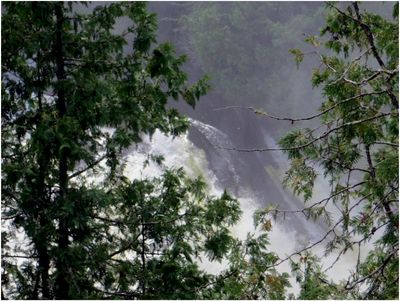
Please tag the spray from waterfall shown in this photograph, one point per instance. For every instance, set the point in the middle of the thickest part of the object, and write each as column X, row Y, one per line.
column 181, row 152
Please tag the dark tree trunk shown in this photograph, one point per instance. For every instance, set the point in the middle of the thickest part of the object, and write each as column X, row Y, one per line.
column 40, row 240
column 62, row 265
column 43, row 202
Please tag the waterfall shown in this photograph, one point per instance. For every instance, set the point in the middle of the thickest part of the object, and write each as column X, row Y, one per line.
column 285, row 238
column 217, row 138
column 181, row 152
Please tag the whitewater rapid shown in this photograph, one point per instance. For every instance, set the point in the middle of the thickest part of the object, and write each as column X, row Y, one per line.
column 181, row 152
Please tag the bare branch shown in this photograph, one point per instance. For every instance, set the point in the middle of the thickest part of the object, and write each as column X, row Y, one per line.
column 19, row 256
column 310, row 142
column 368, row 33
column 129, row 295
column 89, row 166
column 126, row 247
column 387, row 143
column 219, row 279
column 261, row 112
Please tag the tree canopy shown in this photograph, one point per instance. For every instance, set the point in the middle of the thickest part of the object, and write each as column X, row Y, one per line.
column 73, row 98
column 82, row 84
column 355, row 148
column 76, row 94
column 254, row 39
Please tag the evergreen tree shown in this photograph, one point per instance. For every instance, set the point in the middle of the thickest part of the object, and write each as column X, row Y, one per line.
column 76, row 93
column 65, row 78
column 356, row 148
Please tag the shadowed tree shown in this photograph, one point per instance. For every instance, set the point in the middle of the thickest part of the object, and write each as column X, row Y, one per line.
column 65, row 78
column 355, row 147
column 76, row 93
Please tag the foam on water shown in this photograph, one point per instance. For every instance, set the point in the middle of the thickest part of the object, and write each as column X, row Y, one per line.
column 181, row 152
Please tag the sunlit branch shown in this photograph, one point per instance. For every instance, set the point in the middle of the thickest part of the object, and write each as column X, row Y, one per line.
column 343, row 76
column 371, row 77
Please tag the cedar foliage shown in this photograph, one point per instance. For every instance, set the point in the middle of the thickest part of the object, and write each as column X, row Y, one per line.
column 76, row 94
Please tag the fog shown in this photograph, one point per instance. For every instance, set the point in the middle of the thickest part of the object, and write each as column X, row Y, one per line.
column 244, row 47
column 247, row 68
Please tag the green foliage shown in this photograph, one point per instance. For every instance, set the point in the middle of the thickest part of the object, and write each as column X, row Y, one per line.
column 298, row 56
column 243, row 44
column 166, row 221
column 301, row 178
column 76, row 93
column 381, row 286
column 313, row 282
column 251, row 274
column 55, row 108
column 356, row 148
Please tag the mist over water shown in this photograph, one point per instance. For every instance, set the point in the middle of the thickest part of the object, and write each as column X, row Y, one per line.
column 239, row 77
column 249, row 66
column 286, row 236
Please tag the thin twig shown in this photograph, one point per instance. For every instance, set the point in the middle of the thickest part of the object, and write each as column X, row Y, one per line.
column 378, row 269
column 332, row 230
column 89, row 166
column 261, row 112
column 310, row 142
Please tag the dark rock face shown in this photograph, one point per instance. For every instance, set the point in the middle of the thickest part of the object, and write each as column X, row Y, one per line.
column 212, row 130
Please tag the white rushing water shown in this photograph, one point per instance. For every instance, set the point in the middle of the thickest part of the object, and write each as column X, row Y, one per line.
column 181, row 152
